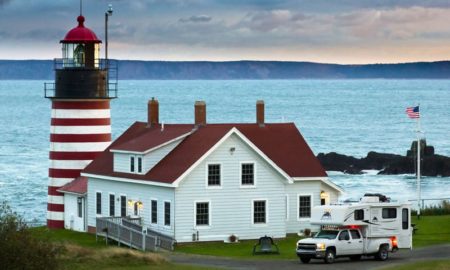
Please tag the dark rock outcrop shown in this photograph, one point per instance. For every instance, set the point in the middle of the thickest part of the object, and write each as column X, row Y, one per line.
column 431, row 164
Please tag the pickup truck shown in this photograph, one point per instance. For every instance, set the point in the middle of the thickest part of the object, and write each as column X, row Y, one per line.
column 347, row 242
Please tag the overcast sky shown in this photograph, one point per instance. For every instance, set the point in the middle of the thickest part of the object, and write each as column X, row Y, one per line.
column 329, row 31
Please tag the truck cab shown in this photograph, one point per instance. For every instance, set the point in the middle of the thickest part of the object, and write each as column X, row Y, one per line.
column 329, row 244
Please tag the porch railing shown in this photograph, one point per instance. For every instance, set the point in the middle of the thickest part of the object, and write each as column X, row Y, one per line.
column 130, row 232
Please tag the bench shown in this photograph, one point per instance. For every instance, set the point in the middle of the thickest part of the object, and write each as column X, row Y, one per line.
column 265, row 245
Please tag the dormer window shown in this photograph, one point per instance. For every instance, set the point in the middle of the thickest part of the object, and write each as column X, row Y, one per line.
column 135, row 164
column 132, row 164
column 139, row 165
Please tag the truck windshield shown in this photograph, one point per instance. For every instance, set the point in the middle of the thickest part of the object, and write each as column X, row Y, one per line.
column 326, row 234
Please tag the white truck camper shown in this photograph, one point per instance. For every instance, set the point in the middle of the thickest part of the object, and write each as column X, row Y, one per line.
column 374, row 226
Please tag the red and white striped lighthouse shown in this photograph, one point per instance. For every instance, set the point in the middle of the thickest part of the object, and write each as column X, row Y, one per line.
column 80, row 116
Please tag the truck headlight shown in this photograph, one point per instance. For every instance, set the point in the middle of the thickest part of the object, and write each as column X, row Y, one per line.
column 320, row 246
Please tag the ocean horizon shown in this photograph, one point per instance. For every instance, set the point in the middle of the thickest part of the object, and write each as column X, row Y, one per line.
column 351, row 117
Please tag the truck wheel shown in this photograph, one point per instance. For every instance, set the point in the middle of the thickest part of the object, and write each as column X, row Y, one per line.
column 382, row 254
column 305, row 259
column 329, row 256
column 355, row 257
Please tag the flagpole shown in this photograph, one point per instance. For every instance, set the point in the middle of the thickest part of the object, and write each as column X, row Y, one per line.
column 418, row 167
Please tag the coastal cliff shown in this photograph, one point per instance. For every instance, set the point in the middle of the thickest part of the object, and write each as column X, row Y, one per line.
column 431, row 163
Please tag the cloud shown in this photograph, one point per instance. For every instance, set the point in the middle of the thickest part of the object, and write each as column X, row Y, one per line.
column 196, row 19
column 4, row 2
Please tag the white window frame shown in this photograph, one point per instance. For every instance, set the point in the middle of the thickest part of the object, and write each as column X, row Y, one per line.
column 101, row 203
column 254, row 174
column 164, row 215
column 297, row 211
column 207, row 174
column 109, row 203
column 132, row 161
column 209, row 215
column 136, row 164
column 126, row 205
column 253, row 213
column 287, row 206
column 151, row 211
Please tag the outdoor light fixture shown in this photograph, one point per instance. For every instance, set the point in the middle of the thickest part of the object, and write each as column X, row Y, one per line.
column 232, row 149
column 322, row 194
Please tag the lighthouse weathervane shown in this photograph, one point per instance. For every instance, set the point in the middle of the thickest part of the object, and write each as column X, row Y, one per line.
column 80, row 115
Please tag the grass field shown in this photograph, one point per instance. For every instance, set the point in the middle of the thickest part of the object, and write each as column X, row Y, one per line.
column 81, row 251
column 432, row 230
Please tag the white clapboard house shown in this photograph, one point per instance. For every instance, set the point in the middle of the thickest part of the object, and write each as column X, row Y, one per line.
column 208, row 180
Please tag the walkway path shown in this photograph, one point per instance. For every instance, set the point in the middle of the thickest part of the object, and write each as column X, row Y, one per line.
column 401, row 257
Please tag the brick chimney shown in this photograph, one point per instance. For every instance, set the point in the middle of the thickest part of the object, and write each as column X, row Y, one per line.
column 200, row 113
column 153, row 112
column 260, row 112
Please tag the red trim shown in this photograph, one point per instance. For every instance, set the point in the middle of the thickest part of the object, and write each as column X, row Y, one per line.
column 55, row 224
column 73, row 155
column 52, row 191
column 80, row 105
column 64, row 173
column 55, row 207
column 73, row 138
column 80, row 121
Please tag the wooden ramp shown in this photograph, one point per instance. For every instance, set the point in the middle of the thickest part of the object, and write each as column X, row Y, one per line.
column 130, row 232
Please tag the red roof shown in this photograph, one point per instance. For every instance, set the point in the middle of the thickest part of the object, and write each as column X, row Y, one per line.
column 282, row 143
column 80, row 34
column 79, row 186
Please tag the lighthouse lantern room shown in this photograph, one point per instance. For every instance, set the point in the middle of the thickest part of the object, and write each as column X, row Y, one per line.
column 80, row 115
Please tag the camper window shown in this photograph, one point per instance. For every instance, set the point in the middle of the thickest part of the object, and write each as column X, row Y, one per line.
column 359, row 214
column 405, row 217
column 389, row 213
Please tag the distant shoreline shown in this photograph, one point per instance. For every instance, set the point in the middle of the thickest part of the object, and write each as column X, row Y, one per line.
column 238, row 70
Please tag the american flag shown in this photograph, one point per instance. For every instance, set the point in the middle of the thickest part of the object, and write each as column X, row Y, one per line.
column 413, row 112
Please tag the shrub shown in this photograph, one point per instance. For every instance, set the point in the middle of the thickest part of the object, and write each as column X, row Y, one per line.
column 435, row 210
column 20, row 248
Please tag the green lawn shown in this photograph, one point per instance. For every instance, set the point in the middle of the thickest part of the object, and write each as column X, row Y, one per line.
column 243, row 249
column 432, row 230
column 422, row 265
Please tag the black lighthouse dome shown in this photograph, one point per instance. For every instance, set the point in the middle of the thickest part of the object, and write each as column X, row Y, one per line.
column 81, row 73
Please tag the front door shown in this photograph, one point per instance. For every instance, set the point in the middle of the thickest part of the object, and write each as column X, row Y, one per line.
column 405, row 237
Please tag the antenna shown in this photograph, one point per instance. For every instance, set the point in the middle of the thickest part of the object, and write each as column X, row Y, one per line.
column 81, row 7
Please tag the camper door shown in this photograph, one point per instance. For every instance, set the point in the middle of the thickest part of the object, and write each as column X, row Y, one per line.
column 404, row 238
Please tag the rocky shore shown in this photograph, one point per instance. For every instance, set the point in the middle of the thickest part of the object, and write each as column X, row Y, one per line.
column 431, row 163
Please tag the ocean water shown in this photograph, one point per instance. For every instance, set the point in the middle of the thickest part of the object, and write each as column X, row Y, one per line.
column 351, row 117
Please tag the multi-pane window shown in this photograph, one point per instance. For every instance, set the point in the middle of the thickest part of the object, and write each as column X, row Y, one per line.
column 131, row 164
column 259, row 212
column 214, row 175
column 202, row 214
column 304, row 206
column 154, row 212
column 247, row 174
column 139, row 165
column 167, row 213
column 123, row 206
column 112, row 205
column 389, row 213
column 99, row 203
